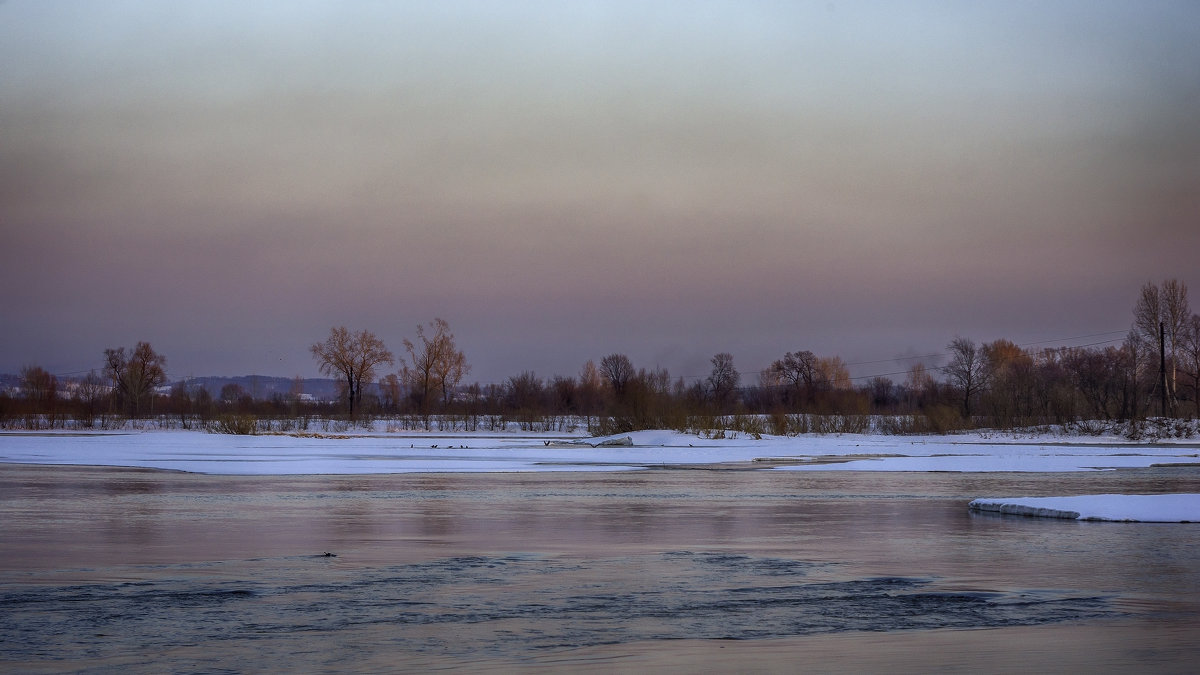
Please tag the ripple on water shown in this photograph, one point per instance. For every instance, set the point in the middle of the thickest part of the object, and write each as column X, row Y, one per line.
column 505, row 605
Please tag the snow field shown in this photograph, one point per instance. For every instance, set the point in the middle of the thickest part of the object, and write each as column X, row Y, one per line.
column 376, row 453
column 404, row 452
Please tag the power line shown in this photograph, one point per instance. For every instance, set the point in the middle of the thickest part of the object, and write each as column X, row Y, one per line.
column 78, row 372
column 898, row 358
column 1079, row 337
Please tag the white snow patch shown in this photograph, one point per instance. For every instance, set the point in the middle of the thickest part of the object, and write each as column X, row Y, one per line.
column 507, row 451
column 1169, row 508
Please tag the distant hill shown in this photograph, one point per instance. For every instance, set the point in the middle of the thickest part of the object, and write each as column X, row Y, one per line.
column 9, row 382
column 263, row 387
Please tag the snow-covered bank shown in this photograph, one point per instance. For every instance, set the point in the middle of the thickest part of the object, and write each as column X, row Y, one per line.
column 404, row 453
column 1171, row 508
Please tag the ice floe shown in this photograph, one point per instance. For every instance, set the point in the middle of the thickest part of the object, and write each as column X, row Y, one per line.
column 1168, row 508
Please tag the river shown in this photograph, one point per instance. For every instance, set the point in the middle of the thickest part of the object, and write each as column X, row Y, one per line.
column 138, row 570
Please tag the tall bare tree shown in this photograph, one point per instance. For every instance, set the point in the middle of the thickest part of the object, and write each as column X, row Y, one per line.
column 135, row 374
column 89, row 392
column 1165, row 306
column 352, row 358
column 1012, row 380
column 799, row 370
column 723, row 380
column 919, row 385
column 833, row 373
column 390, row 392
column 590, row 390
column 438, row 365
column 1189, row 362
column 451, row 365
column 526, row 398
column 967, row 371
column 39, row 387
column 617, row 371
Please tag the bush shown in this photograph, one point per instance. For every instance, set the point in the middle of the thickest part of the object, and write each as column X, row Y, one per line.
column 934, row 419
column 778, row 423
column 240, row 425
column 748, row 424
column 1158, row 428
column 1089, row 428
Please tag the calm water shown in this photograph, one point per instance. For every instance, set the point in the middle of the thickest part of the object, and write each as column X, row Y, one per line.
column 143, row 571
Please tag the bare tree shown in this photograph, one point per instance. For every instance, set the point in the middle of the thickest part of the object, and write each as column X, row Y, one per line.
column 232, row 393
column 40, row 389
column 617, row 371
column 882, row 391
column 564, row 392
column 967, row 371
column 179, row 401
column 525, row 398
column 1190, row 360
column 1165, row 306
column 390, row 392
column 295, row 394
column 919, row 384
column 1147, row 313
column 1012, row 382
column 451, row 366
column 89, row 392
column 134, row 375
column 1105, row 378
column 590, row 391
column 353, row 358
column 723, row 380
column 832, row 373
column 799, row 370
column 437, row 365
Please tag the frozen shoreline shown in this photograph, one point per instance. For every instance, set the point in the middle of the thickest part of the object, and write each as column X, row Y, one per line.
column 376, row 453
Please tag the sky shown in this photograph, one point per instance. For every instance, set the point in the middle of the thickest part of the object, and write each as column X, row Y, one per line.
column 562, row 181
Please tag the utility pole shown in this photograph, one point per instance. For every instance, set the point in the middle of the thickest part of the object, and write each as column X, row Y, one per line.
column 1162, row 370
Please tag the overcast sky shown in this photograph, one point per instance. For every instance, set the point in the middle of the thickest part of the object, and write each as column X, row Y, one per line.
column 565, row 180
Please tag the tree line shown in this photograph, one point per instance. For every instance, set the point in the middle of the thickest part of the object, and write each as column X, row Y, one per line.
column 1154, row 371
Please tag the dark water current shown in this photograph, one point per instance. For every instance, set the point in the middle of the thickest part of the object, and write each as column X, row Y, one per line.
column 141, row 570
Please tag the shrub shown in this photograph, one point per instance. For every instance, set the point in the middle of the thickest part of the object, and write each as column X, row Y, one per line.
column 241, row 425
column 934, row 419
